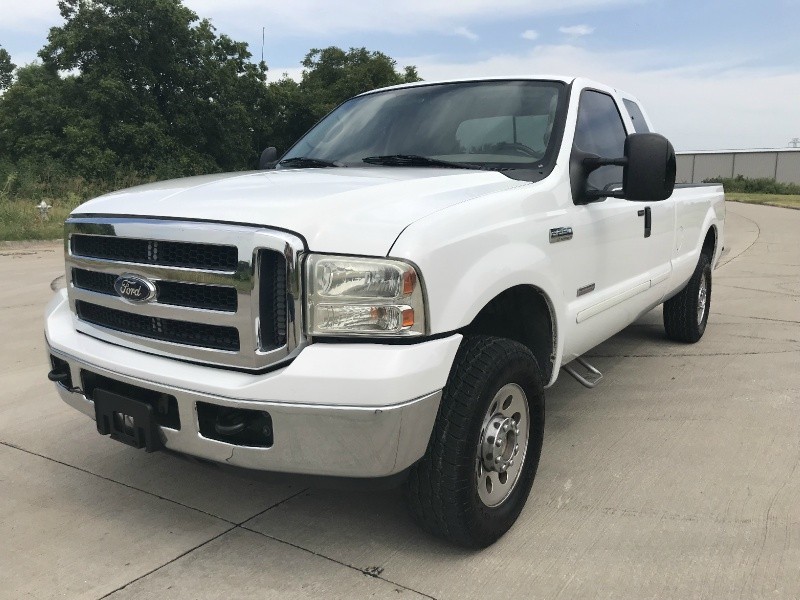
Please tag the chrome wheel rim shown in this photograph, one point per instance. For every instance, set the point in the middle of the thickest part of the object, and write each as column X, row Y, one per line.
column 702, row 299
column 503, row 445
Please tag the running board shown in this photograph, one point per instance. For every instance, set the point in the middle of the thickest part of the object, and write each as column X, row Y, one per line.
column 589, row 379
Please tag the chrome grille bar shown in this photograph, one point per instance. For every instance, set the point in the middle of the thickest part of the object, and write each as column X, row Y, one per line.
column 177, row 293
column 113, row 237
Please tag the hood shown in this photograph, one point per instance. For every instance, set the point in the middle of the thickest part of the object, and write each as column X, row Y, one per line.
column 340, row 210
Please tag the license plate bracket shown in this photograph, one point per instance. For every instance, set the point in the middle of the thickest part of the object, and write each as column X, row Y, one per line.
column 126, row 420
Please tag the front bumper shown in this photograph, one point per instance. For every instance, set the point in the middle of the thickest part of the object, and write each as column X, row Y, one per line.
column 349, row 410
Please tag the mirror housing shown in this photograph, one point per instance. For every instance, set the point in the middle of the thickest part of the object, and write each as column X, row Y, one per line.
column 268, row 158
column 648, row 170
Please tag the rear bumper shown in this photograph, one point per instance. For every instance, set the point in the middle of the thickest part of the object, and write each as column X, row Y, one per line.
column 362, row 427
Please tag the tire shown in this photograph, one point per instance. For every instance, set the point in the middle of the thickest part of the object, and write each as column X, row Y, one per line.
column 442, row 490
column 686, row 314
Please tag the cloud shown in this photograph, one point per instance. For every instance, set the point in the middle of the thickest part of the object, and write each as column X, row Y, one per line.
column 699, row 106
column 467, row 33
column 530, row 34
column 577, row 30
column 277, row 73
column 287, row 19
column 29, row 15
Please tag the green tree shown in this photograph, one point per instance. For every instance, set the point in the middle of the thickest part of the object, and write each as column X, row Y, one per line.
column 330, row 76
column 6, row 69
column 135, row 89
column 158, row 90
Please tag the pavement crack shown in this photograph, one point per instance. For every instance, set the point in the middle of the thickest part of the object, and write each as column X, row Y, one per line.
column 765, row 529
column 685, row 355
column 374, row 572
column 278, row 503
column 169, row 562
column 21, row 305
column 758, row 318
column 132, row 487
column 749, row 289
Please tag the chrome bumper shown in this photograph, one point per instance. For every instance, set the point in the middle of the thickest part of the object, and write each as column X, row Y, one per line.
column 344, row 441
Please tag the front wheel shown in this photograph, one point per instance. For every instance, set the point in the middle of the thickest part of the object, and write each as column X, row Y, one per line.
column 686, row 314
column 476, row 475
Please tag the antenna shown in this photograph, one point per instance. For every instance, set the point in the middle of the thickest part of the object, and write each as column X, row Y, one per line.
column 794, row 143
column 262, row 43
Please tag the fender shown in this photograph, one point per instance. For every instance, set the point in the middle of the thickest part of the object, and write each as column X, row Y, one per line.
column 504, row 247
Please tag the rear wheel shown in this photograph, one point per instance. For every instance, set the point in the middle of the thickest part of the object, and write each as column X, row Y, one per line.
column 686, row 314
column 476, row 475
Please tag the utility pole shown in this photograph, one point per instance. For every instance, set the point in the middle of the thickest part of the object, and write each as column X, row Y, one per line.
column 794, row 143
column 263, row 29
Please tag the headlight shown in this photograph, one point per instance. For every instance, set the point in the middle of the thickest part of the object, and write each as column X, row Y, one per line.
column 363, row 296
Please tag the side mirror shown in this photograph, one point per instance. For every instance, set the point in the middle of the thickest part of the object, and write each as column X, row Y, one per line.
column 268, row 158
column 651, row 166
column 648, row 170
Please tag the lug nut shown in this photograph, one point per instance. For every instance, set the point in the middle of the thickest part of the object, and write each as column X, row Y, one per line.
column 498, row 443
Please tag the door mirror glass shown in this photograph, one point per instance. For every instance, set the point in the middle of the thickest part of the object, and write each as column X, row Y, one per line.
column 650, row 166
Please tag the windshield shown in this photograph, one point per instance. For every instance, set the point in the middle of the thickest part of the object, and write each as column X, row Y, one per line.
column 488, row 124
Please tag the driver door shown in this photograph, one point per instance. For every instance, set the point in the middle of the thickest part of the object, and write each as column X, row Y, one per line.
column 608, row 281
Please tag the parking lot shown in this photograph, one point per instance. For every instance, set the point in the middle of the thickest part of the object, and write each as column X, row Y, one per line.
column 676, row 478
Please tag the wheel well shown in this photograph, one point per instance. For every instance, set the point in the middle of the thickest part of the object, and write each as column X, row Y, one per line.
column 710, row 243
column 522, row 314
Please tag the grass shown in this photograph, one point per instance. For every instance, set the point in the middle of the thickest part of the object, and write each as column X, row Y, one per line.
column 24, row 185
column 20, row 220
column 782, row 200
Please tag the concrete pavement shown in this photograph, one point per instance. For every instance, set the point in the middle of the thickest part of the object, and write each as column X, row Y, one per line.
column 676, row 478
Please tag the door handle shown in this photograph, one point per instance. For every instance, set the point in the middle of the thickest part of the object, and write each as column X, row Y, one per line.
column 648, row 220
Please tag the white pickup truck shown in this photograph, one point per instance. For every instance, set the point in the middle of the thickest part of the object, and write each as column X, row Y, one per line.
column 392, row 296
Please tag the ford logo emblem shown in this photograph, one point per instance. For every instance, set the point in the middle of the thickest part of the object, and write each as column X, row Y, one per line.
column 134, row 288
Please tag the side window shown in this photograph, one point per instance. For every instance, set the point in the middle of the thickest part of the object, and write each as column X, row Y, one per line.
column 600, row 131
column 639, row 124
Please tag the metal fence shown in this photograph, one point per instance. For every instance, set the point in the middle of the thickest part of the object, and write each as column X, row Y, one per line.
column 781, row 165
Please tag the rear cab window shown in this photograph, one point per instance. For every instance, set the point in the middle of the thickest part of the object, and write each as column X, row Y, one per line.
column 637, row 116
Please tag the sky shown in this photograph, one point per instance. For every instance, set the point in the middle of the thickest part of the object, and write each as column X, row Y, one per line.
column 711, row 74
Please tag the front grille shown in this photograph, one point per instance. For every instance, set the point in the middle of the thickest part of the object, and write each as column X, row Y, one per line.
column 167, row 330
column 210, row 297
column 102, row 283
column 191, row 295
column 272, row 300
column 157, row 252
column 225, row 295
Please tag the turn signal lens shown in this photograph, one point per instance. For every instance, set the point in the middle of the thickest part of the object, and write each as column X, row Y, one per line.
column 409, row 282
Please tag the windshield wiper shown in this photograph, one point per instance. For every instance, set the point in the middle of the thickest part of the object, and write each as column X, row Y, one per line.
column 416, row 160
column 307, row 161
